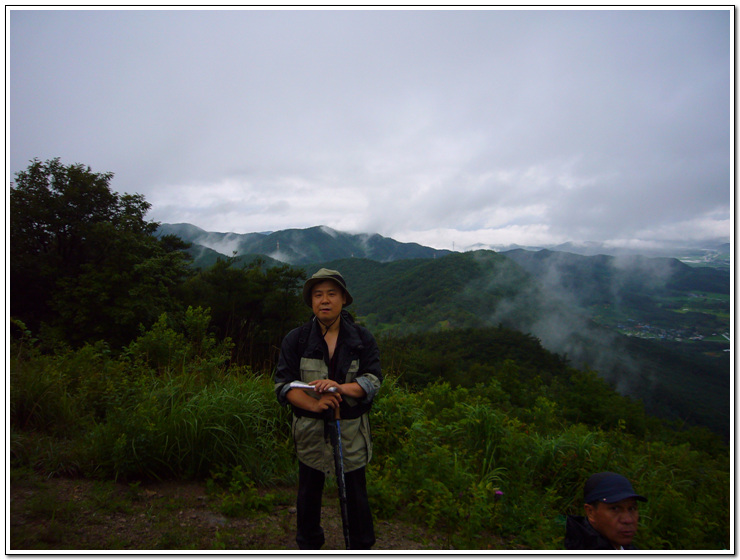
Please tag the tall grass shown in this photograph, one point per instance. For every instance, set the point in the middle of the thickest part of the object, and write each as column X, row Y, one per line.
column 172, row 432
column 39, row 400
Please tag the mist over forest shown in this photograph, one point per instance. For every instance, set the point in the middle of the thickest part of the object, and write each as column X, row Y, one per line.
column 623, row 316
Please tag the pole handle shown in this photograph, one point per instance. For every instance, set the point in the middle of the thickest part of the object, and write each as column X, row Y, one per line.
column 302, row 385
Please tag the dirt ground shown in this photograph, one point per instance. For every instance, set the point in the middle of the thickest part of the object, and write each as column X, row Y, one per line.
column 72, row 514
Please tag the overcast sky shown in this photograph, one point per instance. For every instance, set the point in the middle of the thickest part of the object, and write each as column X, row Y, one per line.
column 483, row 126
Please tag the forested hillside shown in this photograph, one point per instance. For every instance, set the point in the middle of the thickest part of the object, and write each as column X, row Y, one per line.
column 680, row 380
column 127, row 363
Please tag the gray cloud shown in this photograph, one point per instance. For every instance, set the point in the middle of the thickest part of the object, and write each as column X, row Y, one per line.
column 488, row 126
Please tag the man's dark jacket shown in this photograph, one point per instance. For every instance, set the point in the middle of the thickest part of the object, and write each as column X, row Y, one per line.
column 304, row 357
column 358, row 359
column 579, row 535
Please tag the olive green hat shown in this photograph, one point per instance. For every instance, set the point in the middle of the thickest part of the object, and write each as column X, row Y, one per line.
column 320, row 276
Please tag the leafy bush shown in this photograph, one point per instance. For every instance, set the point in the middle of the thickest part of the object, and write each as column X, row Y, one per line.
column 170, row 351
column 467, row 468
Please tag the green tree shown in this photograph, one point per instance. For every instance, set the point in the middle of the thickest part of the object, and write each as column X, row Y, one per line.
column 84, row 261
column 253, row 305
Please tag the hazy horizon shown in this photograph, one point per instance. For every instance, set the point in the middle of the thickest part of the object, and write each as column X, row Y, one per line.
column 706, row 245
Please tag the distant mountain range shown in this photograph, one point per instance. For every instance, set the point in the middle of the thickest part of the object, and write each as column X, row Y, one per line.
column 296, row 246
column 710, row 253
column 322, row 243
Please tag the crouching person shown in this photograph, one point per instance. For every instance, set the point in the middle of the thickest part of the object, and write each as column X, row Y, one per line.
column 341, row 361
column 611, row 515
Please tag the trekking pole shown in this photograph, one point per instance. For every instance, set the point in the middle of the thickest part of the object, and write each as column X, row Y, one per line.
column 335, row 435
column 339, row 470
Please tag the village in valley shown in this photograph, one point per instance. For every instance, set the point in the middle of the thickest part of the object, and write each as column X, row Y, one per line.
column 693, row 317
column 644, row 330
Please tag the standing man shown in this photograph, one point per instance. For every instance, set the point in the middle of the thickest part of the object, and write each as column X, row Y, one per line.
column 611, row 515
column 331, row 353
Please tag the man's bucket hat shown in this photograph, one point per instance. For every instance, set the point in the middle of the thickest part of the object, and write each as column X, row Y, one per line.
column 608, row 487
column 320, row 276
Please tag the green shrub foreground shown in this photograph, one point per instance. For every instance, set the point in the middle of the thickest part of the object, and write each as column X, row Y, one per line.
column 466, row 462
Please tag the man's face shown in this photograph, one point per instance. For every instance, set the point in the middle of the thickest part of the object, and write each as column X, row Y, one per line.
column 617, row 522
column 327, row 299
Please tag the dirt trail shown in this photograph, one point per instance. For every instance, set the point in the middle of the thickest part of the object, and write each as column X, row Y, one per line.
column 72, row 514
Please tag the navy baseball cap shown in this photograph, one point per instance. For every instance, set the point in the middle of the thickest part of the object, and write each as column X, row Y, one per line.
column 608, row 487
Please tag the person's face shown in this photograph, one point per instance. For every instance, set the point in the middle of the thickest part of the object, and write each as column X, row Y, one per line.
column 327, row 299
column 617, row 522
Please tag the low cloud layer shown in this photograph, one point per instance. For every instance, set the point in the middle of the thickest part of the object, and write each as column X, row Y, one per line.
column 436, row 126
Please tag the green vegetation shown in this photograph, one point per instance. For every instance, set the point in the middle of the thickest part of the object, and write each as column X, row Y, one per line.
column 530, row 427
column 129, row 366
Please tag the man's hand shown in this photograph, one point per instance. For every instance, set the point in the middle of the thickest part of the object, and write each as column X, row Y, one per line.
column 327, row 401
column 348, row 389
column 299, row 397
column 324, row 385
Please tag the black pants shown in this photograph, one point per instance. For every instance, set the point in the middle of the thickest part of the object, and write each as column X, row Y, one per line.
column 310, row 535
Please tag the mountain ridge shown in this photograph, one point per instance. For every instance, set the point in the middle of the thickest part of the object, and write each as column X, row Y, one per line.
column 299, row 246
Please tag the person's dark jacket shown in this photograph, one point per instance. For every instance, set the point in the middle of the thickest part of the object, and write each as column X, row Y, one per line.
column 358, row 359
column 580, row 535
column 303, row 357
